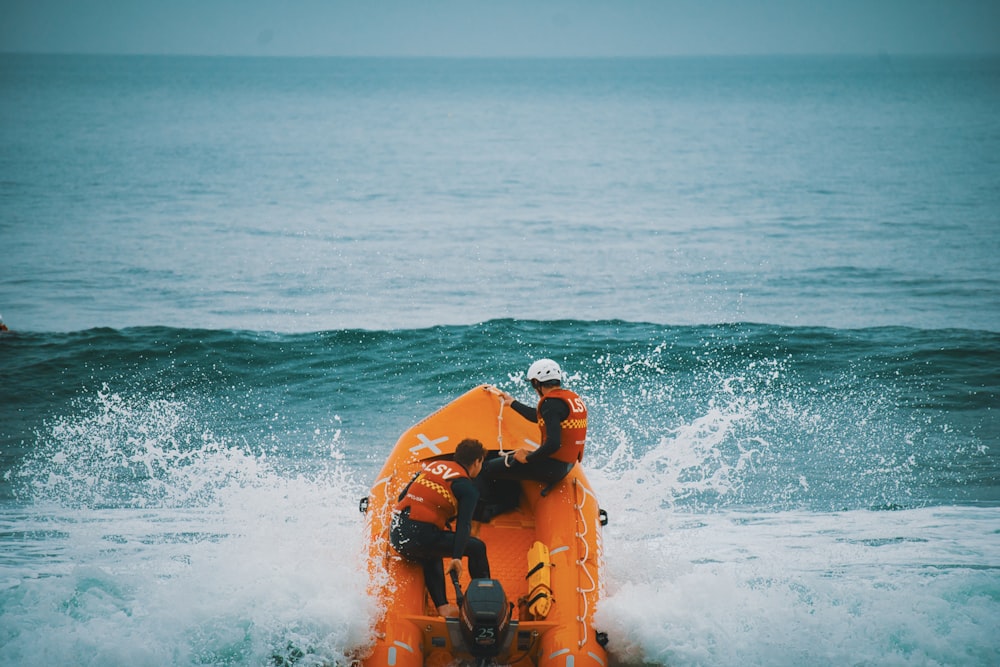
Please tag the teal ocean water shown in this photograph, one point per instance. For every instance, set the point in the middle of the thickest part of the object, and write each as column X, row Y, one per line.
column 231, row 283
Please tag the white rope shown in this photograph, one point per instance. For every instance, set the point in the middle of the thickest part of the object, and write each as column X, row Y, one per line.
column 583, row 561
column 500, row 426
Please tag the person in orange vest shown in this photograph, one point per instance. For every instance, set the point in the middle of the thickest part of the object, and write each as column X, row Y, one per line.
column 442, row 493
column 562, row 419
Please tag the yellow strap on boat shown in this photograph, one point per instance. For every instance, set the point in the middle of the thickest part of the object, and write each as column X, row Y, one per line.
column 539, row 599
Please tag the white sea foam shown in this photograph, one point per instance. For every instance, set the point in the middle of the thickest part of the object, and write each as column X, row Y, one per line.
column 218, row 555
column 904, row 588
column 692, row 585
column 257, row 566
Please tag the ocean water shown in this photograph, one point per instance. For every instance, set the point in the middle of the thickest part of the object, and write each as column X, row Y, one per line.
column 231, row 283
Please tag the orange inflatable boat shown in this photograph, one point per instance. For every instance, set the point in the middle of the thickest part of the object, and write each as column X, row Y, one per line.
column 545, row 559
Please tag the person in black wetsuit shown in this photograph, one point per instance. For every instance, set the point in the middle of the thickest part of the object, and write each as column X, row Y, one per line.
column 443, row 492
column 562, row 419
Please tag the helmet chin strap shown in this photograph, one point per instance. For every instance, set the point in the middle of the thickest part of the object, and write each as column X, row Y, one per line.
column 539, row 387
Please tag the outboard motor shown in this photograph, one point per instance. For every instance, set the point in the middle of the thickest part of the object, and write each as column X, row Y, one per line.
column 484, row 616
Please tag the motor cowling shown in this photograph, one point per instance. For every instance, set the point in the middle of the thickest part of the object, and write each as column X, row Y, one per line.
column 485, row 618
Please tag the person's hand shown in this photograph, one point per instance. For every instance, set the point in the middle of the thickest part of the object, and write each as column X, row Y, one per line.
column 505, row 398
column 521, row 455
column 455, row 566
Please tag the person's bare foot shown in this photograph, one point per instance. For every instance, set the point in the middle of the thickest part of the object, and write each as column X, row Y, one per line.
column 448, row 610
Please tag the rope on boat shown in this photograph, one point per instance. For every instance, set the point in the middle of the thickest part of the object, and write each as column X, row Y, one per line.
column 499, row 394
column 500, row 425
column 582, row 562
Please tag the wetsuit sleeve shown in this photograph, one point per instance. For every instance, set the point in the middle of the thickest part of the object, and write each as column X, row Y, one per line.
column 467, row 496
column 554, row 412
column 526, row 411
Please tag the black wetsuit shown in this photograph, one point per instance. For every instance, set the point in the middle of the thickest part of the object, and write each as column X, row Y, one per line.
column 499, row 482
column 427, row 544
column 539, row 465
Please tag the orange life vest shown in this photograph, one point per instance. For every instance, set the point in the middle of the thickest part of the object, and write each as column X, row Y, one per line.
column 574, row 427
column 429, row 497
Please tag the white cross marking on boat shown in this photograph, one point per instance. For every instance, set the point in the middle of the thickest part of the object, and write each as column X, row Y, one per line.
column 427, row 443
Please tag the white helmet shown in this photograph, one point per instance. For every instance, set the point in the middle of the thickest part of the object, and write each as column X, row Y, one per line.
column 545, row 370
